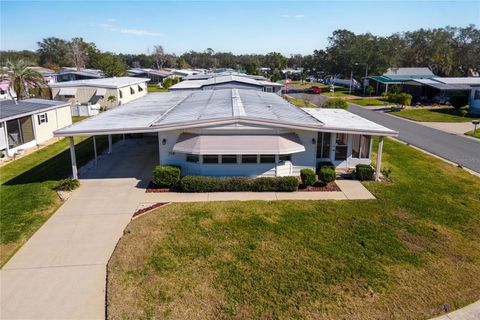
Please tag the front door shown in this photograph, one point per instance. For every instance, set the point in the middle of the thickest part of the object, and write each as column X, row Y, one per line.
column 341, row 149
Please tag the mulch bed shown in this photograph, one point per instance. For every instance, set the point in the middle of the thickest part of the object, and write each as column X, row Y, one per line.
column 153, row 188
column 319, row 186
column 143, row 210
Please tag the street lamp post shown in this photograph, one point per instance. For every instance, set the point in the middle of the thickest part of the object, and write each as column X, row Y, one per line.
column 366, row 77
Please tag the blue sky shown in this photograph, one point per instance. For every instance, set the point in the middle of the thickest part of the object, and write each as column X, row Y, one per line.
column 239, row 27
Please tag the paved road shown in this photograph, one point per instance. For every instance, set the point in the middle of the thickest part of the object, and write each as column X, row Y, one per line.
column 455, row 148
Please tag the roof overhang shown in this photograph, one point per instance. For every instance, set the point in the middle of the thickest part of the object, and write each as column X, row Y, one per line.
column 67, row 91
column 238, row 144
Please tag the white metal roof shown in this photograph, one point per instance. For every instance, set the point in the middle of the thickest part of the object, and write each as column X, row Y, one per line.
column 339, row 120
column 460, row 83
column 183, row 110
column 409, row 72
column 197, row 84
column 459, row 80
column 114, row 83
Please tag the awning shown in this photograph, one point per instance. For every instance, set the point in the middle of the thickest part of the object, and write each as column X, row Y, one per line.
column 101, row 92
column 68, row 91
column 238, row 144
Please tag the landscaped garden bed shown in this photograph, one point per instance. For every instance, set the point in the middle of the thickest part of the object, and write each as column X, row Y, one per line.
column 319, row 186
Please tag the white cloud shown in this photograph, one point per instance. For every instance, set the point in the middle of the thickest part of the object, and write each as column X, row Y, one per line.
column 109, row 25
column 297, row 16
column 140, row 32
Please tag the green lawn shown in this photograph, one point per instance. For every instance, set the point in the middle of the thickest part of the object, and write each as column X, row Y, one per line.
column 368, row 102
column 306, row 85
column 401, row 256
column 27, row 198
column 155, row 88
column 444, row 114
column 300, row 103
column 78, row 118
column 476, row 135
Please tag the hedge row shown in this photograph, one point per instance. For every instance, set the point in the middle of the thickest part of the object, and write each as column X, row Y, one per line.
column 211, row 184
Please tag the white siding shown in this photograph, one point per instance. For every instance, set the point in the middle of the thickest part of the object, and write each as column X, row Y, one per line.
column 57, row 118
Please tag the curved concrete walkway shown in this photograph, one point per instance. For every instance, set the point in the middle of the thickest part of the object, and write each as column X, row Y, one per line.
column 470, row 312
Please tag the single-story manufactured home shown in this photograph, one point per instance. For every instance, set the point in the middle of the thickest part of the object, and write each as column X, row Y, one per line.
column 27, row 123
column 72, row 74
column 228, row 82
column 398, row 76
column 155, row 76
column 238, row 132
column 108, row 92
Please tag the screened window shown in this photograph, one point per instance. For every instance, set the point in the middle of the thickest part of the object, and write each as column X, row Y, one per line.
column 193, row 158
column 231, row 158
column 267, row 158
column 69, row 96
column 20, row 131
column 210, row 159
column 249, row 159
column 361, row 146
column 42, row 118
column 323, row 145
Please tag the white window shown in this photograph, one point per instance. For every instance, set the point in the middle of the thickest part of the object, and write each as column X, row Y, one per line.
column 361, row 146
column 42, row 118
column 140, row 89
column 132, row 91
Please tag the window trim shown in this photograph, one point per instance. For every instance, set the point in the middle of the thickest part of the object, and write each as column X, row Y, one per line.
column 42, row 118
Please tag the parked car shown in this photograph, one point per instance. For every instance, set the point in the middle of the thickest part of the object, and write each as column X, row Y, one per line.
column 314, row 89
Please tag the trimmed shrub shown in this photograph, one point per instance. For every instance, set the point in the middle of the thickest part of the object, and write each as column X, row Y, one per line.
column 336, row 103
column 67, row 185
column 364, row 172
column 199, row 184
column 308, row 176
column 324, row 164
column 211, row 184
column 403, row 99
column 166, row 176
column 327, row 174
column 458, row 101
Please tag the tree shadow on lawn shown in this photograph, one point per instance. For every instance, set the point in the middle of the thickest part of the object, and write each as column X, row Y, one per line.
column 59, row 166
column 455, row 112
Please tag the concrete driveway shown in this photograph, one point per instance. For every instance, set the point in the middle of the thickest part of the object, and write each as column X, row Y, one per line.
column 60, row 272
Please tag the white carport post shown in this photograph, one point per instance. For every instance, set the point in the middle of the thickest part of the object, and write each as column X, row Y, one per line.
column 379, row 158
column 109, row 144
column 95, row 149
column 73, row 159
column 7, row 147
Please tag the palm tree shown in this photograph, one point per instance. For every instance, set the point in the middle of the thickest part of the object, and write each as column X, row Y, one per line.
column 22, row 78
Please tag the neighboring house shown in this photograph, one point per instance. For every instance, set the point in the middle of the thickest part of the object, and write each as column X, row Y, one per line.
column 398, row 76
column 475, row 99
column 73, row 75
column 98, row 91
column 236, row 132
column 184, row 72
column 27, row 123
column 155, row 76
column 441, row 89
column 49, row 75
column 228, row 82
column 204, row 76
